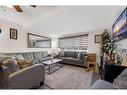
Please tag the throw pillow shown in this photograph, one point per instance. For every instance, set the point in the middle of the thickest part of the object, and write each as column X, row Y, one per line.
column 45, row 54
column 79, row 55
column 24, row 63
column 4, row 58
column 61, row 54
column 83, row 54
column 19, row 57
column 11, row 64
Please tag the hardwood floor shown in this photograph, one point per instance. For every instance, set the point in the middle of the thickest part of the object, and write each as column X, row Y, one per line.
column 68, row 77
column 96, row 76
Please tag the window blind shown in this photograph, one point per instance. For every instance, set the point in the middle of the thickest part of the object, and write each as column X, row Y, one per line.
column 79, row 42
column 44, row 43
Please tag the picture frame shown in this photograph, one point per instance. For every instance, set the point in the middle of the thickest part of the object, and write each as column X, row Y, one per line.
column 13, row 33
column 97, row 38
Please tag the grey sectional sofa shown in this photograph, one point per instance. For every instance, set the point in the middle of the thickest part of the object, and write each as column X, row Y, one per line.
column 36, row 57
column 74, row 58
column 25, row 78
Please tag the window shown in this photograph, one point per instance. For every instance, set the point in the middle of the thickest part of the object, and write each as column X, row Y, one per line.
column 79, row 42
column 44, row 43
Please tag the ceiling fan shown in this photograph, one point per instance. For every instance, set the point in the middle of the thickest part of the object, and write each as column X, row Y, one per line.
column 19, row 9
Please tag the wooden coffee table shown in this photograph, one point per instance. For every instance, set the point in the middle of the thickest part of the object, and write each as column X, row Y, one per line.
column 52, row 65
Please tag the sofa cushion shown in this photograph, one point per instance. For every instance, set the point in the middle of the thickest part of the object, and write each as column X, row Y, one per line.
column 28, row 55
column 61, row 54
column 25, row 55
column 78, row 61
column 35, row 61
column 67, row 60
column 83, row 54
column 44, row 59
column 24, row 63
column 70, row 54
column 72, row 61
column 45, row 53
column 65, row 54
column 38, row 55
column 19, row 57
column 79, row 55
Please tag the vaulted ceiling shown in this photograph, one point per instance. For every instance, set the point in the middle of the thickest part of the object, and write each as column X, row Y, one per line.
column 61, row 20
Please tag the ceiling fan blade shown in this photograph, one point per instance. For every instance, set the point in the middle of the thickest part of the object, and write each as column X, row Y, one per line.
column 18, row 8
column 33, row 6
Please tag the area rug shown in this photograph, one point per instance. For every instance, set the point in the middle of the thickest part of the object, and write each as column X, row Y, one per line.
column 69, row 77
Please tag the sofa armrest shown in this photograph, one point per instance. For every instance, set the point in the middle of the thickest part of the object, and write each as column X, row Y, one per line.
column 27, row 77
column 35, row 61
column 111, row 71
column 4, row 77
column 101, row 84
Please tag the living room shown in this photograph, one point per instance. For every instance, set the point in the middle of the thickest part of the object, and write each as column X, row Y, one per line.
column 63, row 34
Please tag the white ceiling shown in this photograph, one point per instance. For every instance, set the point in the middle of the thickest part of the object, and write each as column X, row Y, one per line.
column 28, row 15
column 61, row 20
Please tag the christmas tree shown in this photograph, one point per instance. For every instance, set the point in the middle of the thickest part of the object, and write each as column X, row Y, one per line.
column 105, row 42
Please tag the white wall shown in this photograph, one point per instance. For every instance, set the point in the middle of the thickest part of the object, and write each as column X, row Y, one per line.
column 94, row 47
column 8, row 45
column 20, row 45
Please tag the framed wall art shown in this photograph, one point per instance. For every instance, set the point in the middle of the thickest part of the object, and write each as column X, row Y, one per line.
column 97, row 38
column 13, row 33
